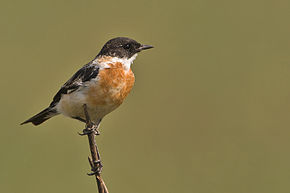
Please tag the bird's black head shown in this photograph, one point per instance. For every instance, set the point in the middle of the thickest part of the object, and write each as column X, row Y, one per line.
column 122, row 47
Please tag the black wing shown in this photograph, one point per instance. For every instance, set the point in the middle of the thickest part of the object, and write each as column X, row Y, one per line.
column 84, row 74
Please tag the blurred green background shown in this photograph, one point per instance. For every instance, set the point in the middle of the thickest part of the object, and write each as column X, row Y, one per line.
column 209, row 113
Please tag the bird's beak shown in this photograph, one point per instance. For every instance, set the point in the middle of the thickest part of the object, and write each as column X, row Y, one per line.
column 145, row 47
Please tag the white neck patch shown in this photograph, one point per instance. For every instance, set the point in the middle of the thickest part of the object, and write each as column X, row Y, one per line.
column 125, row 61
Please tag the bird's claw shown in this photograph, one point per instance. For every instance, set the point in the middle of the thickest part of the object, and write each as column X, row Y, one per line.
column 89, row 130
column 85, row 132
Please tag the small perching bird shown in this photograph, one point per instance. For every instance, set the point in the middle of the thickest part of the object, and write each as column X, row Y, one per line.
column 101, row 85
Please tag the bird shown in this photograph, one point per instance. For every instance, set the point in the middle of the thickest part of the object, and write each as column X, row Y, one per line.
column 101, row 85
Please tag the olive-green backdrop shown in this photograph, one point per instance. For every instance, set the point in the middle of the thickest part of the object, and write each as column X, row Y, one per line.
column 209, row 113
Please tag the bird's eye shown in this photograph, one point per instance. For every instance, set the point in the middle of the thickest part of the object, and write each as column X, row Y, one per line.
column 127, row 46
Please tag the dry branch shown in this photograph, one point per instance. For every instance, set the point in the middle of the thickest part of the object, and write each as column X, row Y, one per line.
column 91, row 131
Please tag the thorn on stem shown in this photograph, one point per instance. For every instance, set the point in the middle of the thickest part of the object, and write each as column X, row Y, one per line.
column 91, row 130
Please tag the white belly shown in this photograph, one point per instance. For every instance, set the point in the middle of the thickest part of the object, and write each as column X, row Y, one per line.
column 71, row 105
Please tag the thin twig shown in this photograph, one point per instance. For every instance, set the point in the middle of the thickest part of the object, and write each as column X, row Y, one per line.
column 95, row 160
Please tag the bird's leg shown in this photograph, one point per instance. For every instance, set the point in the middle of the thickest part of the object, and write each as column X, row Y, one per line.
column 90, row 126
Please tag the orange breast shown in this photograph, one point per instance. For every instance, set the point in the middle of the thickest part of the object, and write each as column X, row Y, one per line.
column 113, row 86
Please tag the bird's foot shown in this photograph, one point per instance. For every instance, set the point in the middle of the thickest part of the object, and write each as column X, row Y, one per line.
column 85, row 132
column 90, row 128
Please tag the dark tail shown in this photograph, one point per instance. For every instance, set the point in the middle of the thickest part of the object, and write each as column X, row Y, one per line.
column 42, row 116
